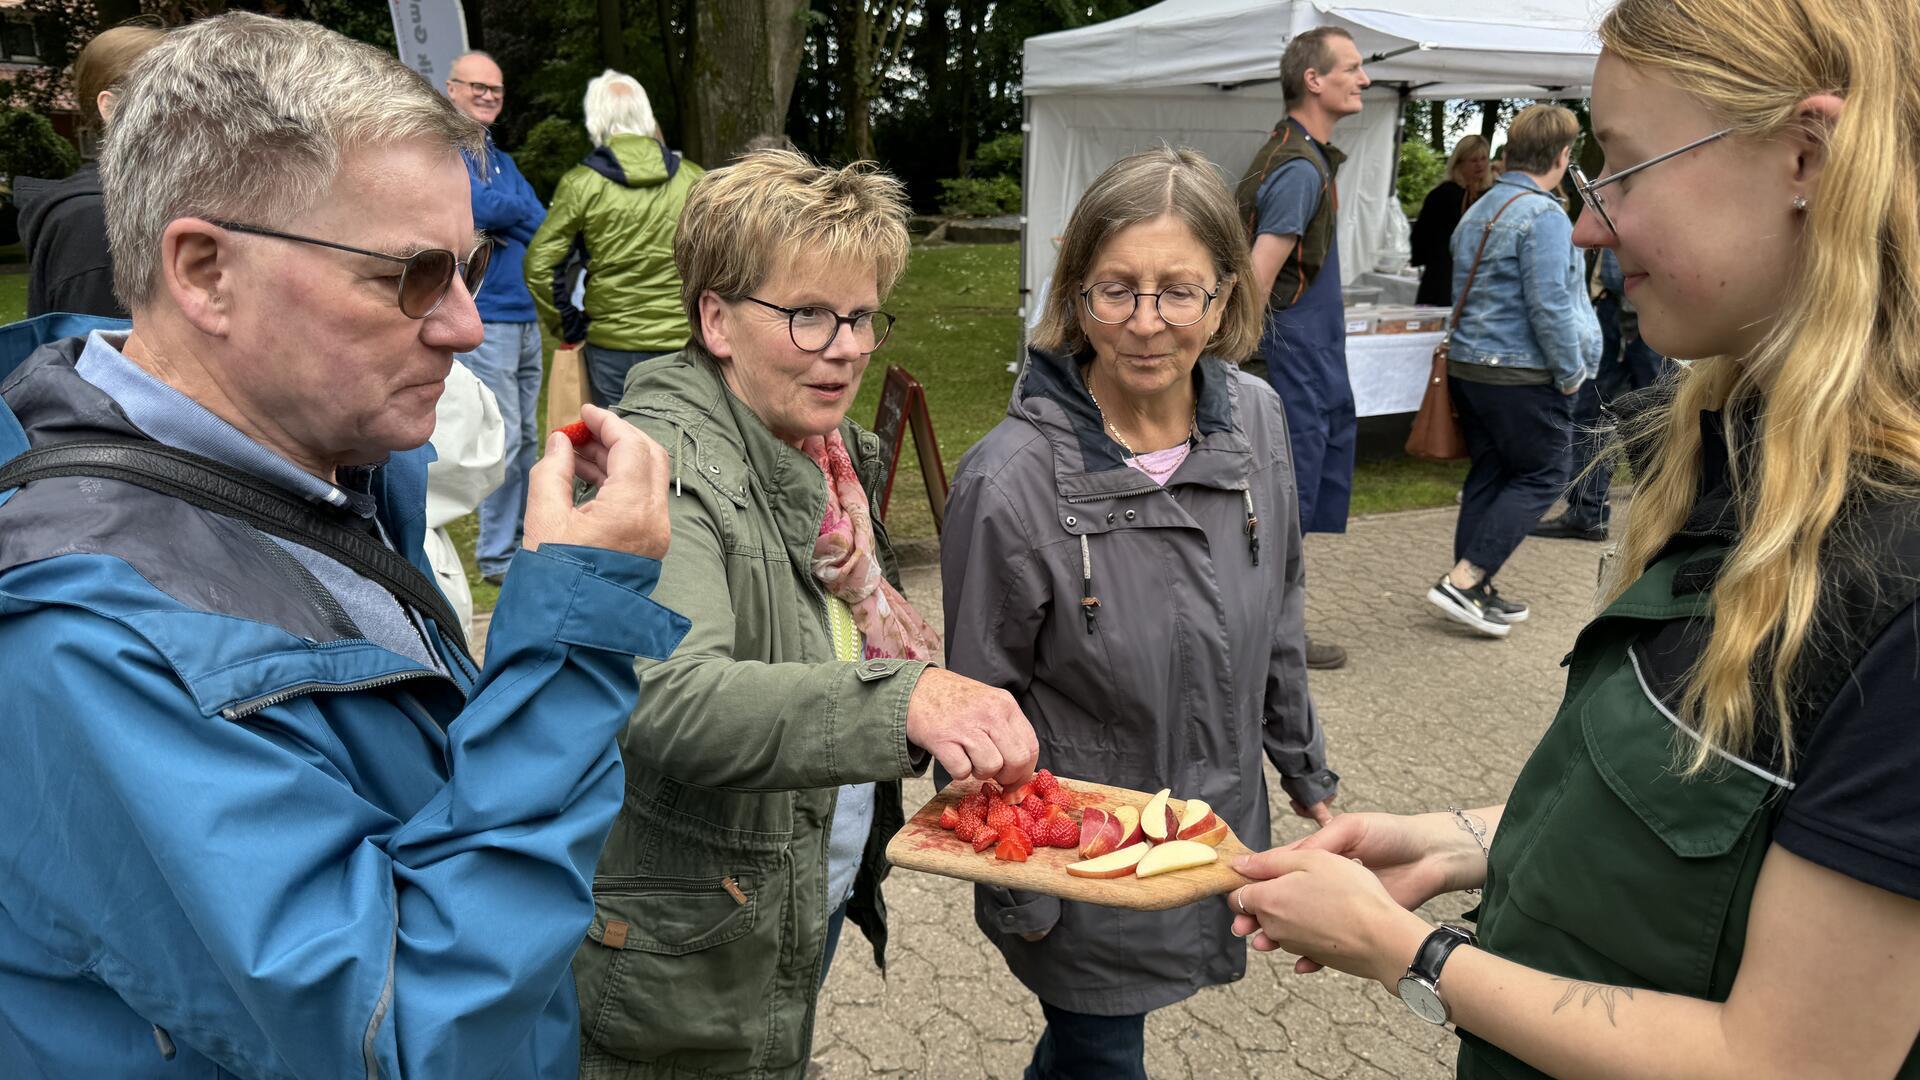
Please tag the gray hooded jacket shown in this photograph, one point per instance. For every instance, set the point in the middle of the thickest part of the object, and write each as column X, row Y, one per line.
column 1187, row 672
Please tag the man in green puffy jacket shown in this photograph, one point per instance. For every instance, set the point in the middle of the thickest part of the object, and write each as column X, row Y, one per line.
column 616, row 211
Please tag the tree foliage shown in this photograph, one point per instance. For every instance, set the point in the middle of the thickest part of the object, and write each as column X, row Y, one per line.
column 30, row 147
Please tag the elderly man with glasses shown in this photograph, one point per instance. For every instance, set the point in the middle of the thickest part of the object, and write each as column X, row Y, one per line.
column 509, row 358
column 265, row 815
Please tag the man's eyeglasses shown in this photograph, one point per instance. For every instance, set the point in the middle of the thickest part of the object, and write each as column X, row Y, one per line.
column 814, row 328
column 1590, row 189
column 1183, row 304
column 425, row 276
column 481, row 89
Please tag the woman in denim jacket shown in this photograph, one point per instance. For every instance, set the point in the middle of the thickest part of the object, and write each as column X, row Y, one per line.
column 1526, row 340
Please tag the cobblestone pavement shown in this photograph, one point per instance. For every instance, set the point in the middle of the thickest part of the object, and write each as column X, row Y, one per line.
column 1426, row 714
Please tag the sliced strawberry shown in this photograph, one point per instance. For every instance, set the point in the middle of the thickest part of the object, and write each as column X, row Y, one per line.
column 968, row 827
column 984, row 839
column 1012, row 852
column 1019, row 836
column 976, row 802
column 1061, row 797
column 949, row 818
column 992, row 791
column 1060, row 832
column 1018, row 795
column 1043, row 782
column 577, row 433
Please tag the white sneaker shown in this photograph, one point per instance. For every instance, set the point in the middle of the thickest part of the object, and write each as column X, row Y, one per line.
column 1467, row 606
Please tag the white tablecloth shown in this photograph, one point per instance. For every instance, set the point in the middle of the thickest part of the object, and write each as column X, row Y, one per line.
column 1389, row 371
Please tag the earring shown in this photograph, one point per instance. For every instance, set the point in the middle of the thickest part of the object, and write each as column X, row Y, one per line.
column 1800, row 202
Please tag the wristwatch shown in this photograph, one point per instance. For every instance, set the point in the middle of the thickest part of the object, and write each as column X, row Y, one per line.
column 1420, row 986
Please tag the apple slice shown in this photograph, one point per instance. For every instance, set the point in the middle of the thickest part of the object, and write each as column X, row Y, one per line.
column 1211, row 837
column 1113, row 864
column 1174, row 855
column 1195, row 819
column 1099, row 833
column 1129, row 820
column 1155, row 818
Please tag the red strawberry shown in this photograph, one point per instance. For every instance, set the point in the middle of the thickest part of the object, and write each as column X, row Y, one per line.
column 1016, row 796
column 1003, row 817
column 984, row 839
column 1059, row 832
column 1011, row 852
column 1019, row 836
column 1043, row 782
column 992, row 791
column 968, row 826
column 949, row 818
column 977, row 802
column 1030, row 814
column 1061, row 797
column 577, row 433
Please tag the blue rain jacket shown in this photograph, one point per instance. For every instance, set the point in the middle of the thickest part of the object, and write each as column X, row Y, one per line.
column 236, row 846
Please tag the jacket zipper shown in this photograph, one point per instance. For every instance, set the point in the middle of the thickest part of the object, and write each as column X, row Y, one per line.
column 247, row 708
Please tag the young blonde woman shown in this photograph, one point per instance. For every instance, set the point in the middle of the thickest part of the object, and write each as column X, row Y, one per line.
column 1711, row 865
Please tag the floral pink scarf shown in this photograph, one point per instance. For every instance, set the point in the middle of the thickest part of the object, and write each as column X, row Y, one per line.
column 844, row 562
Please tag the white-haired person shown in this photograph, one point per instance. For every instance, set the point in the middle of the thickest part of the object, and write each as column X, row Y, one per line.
column 617, row 210
column 264, row 816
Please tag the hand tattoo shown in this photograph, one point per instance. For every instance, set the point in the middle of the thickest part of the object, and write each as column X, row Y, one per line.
column 1608, row 995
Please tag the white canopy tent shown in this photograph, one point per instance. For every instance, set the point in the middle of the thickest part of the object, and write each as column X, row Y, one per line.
column 1205, row 74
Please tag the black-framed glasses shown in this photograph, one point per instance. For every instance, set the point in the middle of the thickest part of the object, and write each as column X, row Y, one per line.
column 1590, row 189
column 1179, row 304
column 425, row 276
column 814, row 328
column 481, row 89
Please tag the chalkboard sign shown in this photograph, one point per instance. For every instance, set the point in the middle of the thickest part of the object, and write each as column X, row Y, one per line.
column 903, row 408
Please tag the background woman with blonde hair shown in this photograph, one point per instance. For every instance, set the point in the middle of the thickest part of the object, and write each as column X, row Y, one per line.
column 1711, row 865
column 1468, row 177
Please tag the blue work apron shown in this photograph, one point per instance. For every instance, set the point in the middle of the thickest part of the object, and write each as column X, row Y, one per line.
column 1305, row 347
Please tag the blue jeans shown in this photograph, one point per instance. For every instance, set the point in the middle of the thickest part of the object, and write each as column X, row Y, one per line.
column 607, row 372
column 835, row 923
column 1518, row 440
column 508, row 362
column 1622, row 371
column 1077, row 1046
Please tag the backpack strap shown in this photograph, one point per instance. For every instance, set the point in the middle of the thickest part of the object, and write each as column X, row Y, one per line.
column 226, row 491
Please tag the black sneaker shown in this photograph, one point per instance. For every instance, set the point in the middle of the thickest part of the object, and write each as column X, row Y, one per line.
column 1467, row 606
column 1507, row 611
column 1561, row 528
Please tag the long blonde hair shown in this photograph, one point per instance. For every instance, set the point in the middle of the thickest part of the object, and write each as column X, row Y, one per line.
column 1836, row 384
column 1468, row 146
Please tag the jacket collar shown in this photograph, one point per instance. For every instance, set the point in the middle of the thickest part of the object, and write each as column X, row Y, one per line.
column 1052, row 396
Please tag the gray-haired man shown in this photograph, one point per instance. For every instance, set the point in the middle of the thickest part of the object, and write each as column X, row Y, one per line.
column 264, row 816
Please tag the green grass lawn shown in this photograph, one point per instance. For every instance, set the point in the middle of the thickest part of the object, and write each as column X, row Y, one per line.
column 13, row 298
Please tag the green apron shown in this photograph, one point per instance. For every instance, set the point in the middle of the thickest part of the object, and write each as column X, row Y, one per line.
column 1609, row 866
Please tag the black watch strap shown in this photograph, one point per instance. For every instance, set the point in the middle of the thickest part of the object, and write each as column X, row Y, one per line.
column 1434, row 951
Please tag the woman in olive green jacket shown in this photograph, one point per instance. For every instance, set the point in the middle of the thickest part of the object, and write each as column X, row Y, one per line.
column 615, row 213
column 762, row 777
column 1710, row 866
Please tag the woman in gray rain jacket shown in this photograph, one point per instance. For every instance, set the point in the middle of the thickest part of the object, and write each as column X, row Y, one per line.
column 1122, row 553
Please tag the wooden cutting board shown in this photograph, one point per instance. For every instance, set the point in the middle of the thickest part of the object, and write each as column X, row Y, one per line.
column 923, row 845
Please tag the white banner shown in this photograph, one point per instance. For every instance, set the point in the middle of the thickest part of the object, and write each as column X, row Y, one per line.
column 429, row 35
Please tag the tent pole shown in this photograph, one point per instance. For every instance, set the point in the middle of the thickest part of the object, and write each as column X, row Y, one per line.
column 1026, row 199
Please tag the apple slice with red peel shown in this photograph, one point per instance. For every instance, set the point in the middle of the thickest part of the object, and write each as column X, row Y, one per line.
column 1113, row 864
column 1099, row 833
column 1174, row 855
column 1128, row 819
column 1196, row 819
column 1156, row 820
column 1212, row 837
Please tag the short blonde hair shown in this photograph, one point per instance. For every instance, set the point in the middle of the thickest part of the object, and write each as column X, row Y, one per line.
column 748, row 220
column 1138, row 188
column 1468, row 146
column 1537, row 135
column 223, row 121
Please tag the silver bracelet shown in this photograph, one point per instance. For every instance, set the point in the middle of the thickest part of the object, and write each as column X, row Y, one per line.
column 1477, row 830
